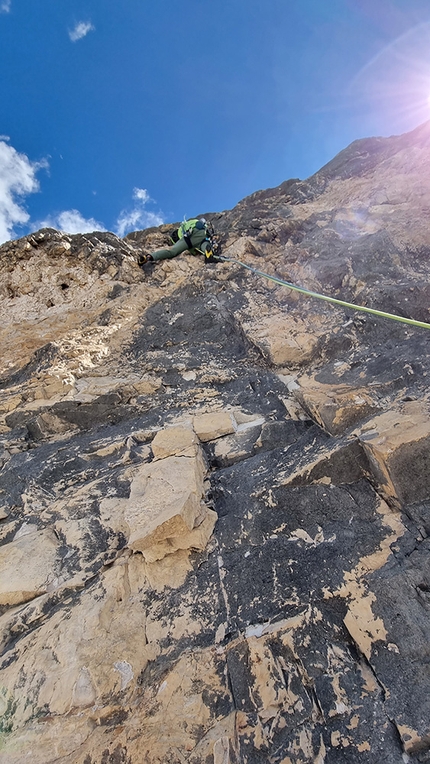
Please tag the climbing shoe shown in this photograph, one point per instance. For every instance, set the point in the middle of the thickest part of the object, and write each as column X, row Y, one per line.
column 144, row 258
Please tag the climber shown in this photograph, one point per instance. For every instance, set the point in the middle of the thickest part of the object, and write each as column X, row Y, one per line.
column 196, row 235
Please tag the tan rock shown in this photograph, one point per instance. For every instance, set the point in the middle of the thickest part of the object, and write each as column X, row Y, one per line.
column 242, row 247
column 27, row 567
column 147, row 386
column 213, row 425
column 283, row 339
column 245, row 420
column 169, row 572
column 411, row 739
column 174, row 441
column 335, row 407
column 92, row 387
column 111, row 664
column 55, row 386
column 95, row 386
column 112, row 448
column 181, row 708
column 196, row 539
column 398, row 449
column 363, row 625
column 76, row 659
column 222, row 751
column 10, row 403
column 165, row 499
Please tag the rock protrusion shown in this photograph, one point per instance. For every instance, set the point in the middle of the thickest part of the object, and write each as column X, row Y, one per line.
column 27, row 566
column 166, row 510
column 397, row 444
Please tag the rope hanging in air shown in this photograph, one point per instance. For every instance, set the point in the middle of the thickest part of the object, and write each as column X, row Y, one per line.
column 334, row 300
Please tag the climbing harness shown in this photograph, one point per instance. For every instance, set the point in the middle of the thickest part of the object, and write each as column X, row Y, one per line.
column 210, row 253
column 334, row 300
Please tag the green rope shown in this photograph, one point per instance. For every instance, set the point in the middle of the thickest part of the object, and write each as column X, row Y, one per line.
column 302, row 290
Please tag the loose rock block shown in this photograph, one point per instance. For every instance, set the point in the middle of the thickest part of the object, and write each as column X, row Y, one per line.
column 164, row 500
column 398, row 449
column 336, row 408
column 174, row 441
column 195, row 539
column 213, row 425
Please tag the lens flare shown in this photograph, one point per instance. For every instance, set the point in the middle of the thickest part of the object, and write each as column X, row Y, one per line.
column 395, row 84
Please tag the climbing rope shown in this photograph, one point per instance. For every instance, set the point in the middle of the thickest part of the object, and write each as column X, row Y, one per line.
column 334, row 300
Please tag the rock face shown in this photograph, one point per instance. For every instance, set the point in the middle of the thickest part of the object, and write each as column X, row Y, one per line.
column 215, row 493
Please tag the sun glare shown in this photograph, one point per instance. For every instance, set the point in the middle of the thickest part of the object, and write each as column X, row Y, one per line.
column 395, row 84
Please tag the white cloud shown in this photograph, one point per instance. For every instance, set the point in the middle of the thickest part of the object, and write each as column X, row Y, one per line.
column 138, row 217
column 80, row 30
column 5, row 6
column 17, row 180
column 71, row 221
column 141, row 194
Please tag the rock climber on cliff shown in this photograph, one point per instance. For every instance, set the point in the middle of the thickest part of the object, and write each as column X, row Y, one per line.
column 195, row 235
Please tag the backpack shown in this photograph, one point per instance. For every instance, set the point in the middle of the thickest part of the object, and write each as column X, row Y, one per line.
column 187, row 227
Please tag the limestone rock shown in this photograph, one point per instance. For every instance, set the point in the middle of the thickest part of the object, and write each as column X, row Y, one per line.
column 27, row 567
column 398, row 447
column 165, row 500
column 283, row 340
column 195, row 539
column 215, row 510
column 174, row 441
column 213, row 425
column 337, row 408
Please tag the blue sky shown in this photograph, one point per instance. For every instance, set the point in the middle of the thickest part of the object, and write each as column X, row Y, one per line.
column 119, row 114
